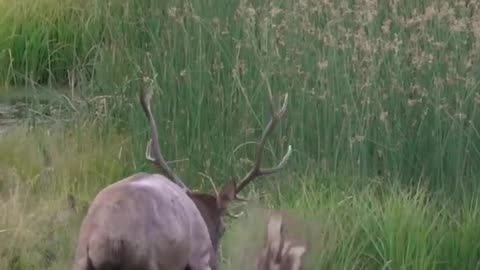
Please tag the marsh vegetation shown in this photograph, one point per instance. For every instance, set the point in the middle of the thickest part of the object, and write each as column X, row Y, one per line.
column 383, row 119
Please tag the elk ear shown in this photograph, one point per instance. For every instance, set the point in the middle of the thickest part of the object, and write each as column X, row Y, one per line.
column 227, row 195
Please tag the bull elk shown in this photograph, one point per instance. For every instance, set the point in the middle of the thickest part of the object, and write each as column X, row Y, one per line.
column 279, row 253
column 153, row 221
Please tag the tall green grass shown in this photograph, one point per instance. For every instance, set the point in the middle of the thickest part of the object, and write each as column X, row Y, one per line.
column 404, row 230
column 377, row 88
column 367, row 225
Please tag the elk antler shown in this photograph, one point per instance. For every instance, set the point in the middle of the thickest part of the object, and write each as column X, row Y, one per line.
column 279, row 253
column 153, row 152
column 257, row 171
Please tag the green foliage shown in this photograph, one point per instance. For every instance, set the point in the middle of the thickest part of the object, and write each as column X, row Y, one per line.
column 349, row 223
column 376, row 88
column 358, row 229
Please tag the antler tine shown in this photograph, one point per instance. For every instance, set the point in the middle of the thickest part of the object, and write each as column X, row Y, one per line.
column 235, row 216
column 153, row 152
column 257, row 171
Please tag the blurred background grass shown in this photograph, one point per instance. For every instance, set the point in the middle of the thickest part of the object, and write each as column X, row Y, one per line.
column 383, row 118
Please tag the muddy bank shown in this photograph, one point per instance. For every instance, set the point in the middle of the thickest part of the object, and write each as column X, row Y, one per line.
column 10, row 116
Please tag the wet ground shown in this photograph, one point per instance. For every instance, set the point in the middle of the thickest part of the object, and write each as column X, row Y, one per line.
column 19, row 104
column 10, row 116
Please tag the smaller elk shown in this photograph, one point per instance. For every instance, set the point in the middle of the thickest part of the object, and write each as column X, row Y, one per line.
column 154, row 222
column 279, row 253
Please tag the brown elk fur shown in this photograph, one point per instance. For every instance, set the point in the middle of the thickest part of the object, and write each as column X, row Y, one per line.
column 122, row 227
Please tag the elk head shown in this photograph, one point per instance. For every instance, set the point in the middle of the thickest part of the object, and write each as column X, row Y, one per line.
column 279, row 253
column 213, row 207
